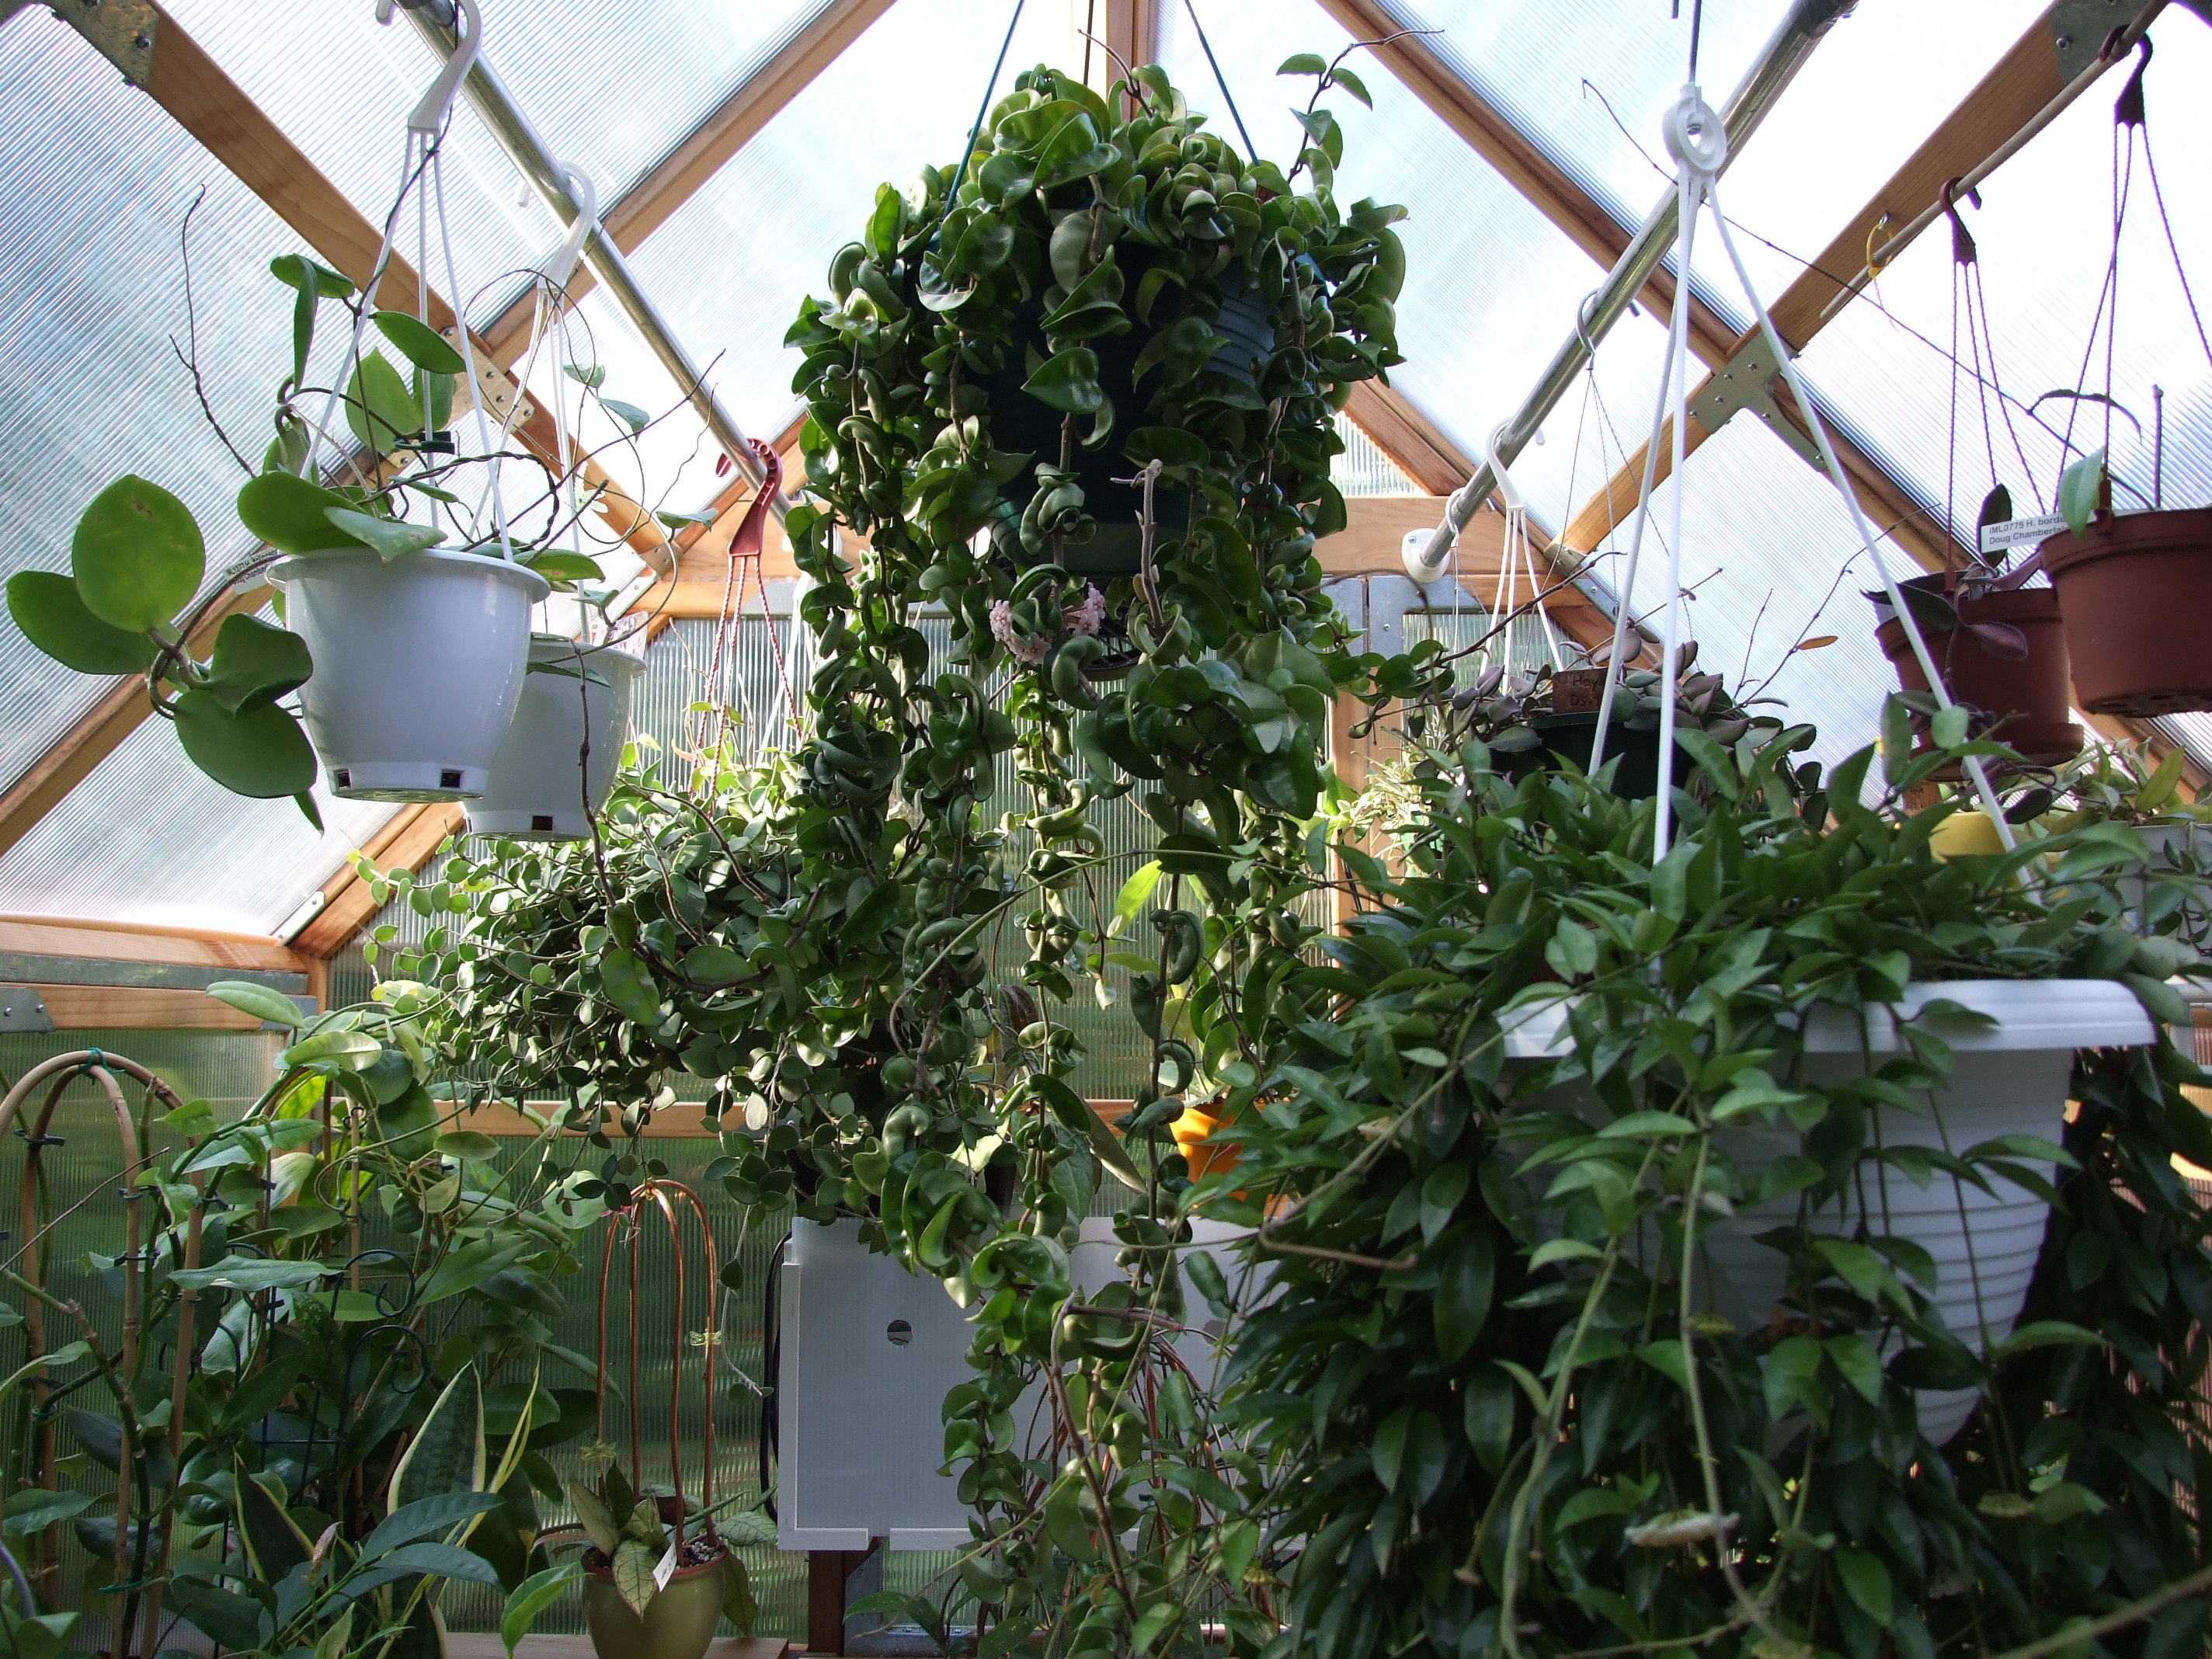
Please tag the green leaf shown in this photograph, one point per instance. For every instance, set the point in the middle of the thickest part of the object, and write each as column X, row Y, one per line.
column 137, row 554
column 531, row 1597
column 251, row 1273
column 1563, row 1250
column 335, row 1643
column 629, row 987
column 468, row 1146
column 1352, row 84
column 466, row 1268
column 1388, row 1449
column 1860, row 1363
column 2046, row 1334
column 274, row 1542
column 1131, row 899
column 417, row 1560
column 392, row 538
column 420, row 343
column 2081, row 490
column 440, row 1513
column 255, row 663
column 289, row 513
column 714, row 965
column 297, row 270
column 1857, row 1266
column 1648, row 1126
column 448, row 1452
column 1069, row 380
column 685, row 520
column 1304, row 63
column 1441, row 1193
column 34, row 1509
column 355, row 1050
column 586, row 374
column 633, row 1573
column 738, row 1606
column 1465, row 1279
column 260, row 752
column 258, row 1000
column 68, row 1354
column 379, row 410
column 591, row 1512
column 2056, row 1505
column 1669, row 1359
column 1866, row 1580
column 629, row 414
column 52, row 613
column 1790, row 1376
column 557, row 565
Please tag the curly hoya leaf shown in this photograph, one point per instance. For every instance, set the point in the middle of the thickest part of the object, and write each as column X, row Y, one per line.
column 255, row 663
column 259, row 751
column 137, row 554
column 52, row 613
column 1069, row 380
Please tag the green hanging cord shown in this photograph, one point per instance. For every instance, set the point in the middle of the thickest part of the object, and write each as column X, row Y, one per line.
column 982, row 113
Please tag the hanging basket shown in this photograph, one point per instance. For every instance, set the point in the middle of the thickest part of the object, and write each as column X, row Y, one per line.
column 418, row 665
column 543, row 785
column 2006, row 1080
column 2027, row 697
column 2136, row 591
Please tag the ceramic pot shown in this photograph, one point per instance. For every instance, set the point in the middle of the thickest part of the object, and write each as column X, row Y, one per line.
column 541, row 781
column 2136, row 591
column 679, row 1623
column 2027, row 697
column 1021, row 423
column 2008, row 1079
column 418, row 665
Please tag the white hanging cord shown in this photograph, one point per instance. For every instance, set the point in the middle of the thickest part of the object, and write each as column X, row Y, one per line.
column 1515, row 559
column 376, row 270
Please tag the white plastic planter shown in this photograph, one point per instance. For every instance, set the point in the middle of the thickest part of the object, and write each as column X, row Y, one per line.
column 418, row 665
column 544, row 786
column 2008, row 1079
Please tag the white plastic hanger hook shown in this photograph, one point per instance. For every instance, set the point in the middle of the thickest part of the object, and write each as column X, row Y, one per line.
column 1696, row 137
column 586, row 195
column 430, row 114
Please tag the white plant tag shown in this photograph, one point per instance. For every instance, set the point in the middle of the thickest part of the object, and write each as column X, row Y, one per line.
column 1996, row 538
column 665, row 1570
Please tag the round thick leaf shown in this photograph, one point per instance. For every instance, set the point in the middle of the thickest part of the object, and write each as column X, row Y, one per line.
column 256, row 662
column 50, row 611
column 380, row 409
column 392, row 538
column 259, row 751
column 295, row 270
column 136, row 554
column 288, row 513
column 420, row 343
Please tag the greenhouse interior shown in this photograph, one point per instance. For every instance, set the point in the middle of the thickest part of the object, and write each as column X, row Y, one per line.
column 1106, row 828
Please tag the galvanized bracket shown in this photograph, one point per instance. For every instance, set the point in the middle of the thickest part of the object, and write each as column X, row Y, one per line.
column 1746, row 382
column 22, row 1009
column 121, row 31
column 2078, row 28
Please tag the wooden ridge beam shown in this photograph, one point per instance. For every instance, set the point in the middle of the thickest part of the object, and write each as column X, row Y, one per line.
column 728, row 127
column 1516, row 158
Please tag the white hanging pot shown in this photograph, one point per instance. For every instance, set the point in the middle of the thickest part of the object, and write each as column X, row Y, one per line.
column 418, row 665
column 544, row 783
column 2007, row 1079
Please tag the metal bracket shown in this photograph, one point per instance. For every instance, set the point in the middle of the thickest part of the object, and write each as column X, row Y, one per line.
column 2078, row 28
column 498, row 387
column 122, row 31
column 1746, row 382
column 22, row 1009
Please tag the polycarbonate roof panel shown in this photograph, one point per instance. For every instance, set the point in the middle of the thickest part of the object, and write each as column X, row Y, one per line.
column 730, row 268
column 146, row 838
column 97, row 181
column 2044, row 239
column 1769, row 558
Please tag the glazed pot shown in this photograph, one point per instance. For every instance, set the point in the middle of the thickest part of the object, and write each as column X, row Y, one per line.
column 679, row 1620
column 2027, row 698
column 1020, row 423
column 2136, row 591
column 2007, row 1079
column 419, row 664
column 544, row 786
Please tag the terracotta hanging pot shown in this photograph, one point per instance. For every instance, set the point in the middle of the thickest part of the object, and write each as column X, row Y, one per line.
column 2136, row 591
column 2001, row 653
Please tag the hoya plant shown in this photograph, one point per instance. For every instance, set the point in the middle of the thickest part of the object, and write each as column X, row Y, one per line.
column 370, row 463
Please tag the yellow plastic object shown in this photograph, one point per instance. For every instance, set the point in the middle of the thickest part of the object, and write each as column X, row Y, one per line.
column 1965, row 832
column 1190, row 1131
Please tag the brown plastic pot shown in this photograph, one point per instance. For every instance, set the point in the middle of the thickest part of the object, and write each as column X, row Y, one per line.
column 679, row 1621
column 2136, row 591
column 2026, row 699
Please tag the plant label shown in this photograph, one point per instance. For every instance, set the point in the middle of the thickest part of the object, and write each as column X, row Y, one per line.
column 1996, row 538
column 664, row 1570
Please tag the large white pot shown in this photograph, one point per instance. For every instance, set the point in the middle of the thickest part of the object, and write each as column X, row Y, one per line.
column 418, row 665
column 2008, row 1079
column 544, row 786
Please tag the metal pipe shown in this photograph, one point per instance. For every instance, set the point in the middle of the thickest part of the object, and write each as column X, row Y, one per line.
column 1776, row 66
column 538, row 164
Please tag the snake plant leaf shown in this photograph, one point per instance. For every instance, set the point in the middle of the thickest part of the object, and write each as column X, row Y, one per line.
column 447, row 1453
column 274, row 1543
column 255, row 663
column 420, row 343
column 392, row 538
column 287, row 512
column 47, row 606
column 137, row 554
column 260, row 752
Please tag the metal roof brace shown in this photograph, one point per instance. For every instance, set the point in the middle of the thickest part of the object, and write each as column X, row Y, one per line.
column 1778, row 65
column 550, row 178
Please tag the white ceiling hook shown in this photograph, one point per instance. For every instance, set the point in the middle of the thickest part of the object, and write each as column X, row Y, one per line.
column 1508, row 491
column 430, row 114
column 1696, row 137
column 562, row 265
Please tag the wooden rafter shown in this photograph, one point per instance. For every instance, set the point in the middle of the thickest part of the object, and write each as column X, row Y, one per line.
column 649, row 204
column 1522, row 162
column 194, row 89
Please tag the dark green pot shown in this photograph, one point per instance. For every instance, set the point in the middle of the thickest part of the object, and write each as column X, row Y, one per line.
column 679, row 1623
column 1571, row 737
